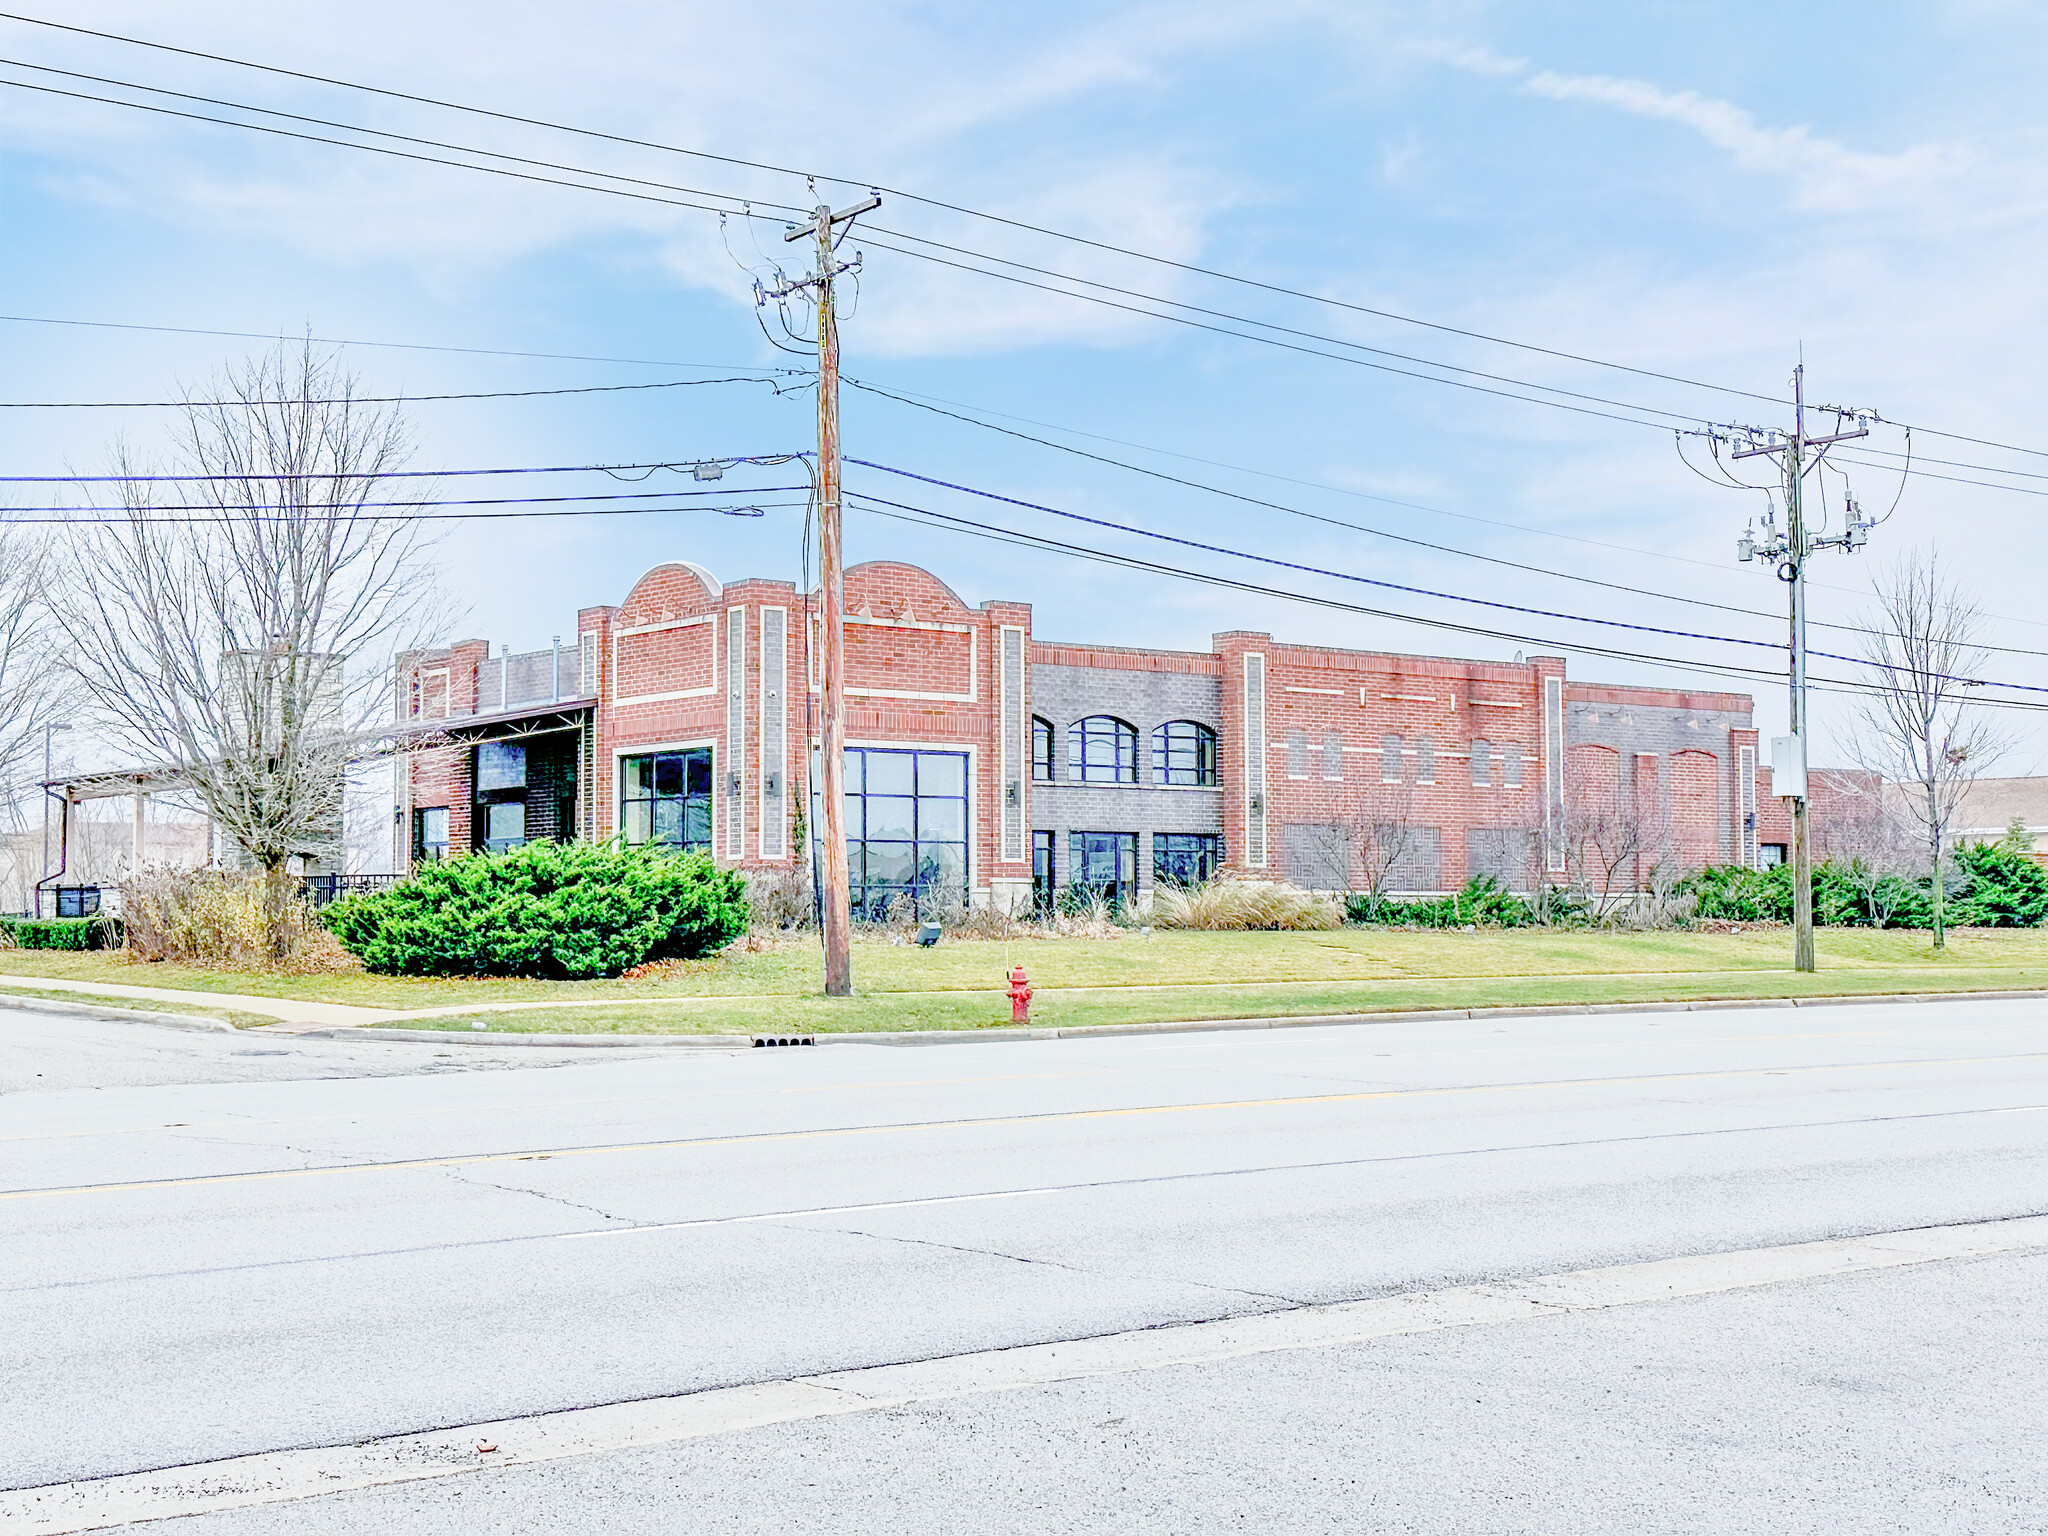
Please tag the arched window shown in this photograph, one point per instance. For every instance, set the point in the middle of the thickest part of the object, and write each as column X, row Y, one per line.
column 1041, row 750
column 1184, row 752
column 1102, row 750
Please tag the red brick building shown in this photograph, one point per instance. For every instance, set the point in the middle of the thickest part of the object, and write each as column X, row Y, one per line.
column 986, row 765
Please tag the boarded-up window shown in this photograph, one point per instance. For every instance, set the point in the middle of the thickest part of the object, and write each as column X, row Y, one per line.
column 1482, row 764
column 1696, row 807
column 1503, row 853
column 1425, row 760
column 1390, row 758
column 1417, row 864
column 1297, row 754
column 1333, row 754
column 1511, row 767
column 1316, row 856
column 1595, row 786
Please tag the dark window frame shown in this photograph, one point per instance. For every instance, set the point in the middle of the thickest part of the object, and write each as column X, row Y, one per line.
column 1184, row 755
column 1122, row 889
column 1086, row 741
column 1041, row 750
column 683, row 797
column 424, row 849
column 1170, row 848
column 1044, row 886
column 927, row 884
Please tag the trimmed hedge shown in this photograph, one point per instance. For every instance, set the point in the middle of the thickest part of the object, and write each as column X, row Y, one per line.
column 61, row 932
column 567, row 911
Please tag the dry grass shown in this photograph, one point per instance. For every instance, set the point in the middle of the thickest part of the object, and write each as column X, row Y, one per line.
column 1238, row 906
column 213, row 918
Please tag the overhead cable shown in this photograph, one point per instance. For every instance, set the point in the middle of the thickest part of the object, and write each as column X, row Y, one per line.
column 929, row 518
column 930, row 202
column 1272, row 560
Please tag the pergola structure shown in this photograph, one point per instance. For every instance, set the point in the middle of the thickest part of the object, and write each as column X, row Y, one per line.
column 514, row 723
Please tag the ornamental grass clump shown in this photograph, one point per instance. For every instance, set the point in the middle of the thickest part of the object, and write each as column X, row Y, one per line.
column 564, row 911
column 224, row 919
column 1236, row 906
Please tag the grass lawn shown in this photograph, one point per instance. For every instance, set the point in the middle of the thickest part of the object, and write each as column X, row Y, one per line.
column 959, row 984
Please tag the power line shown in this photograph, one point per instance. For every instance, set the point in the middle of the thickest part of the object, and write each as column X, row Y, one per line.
column 1312, row 570
column 1189, row 267
column 407, row 346
column 351, row 506
column 1110, row 247
column 1337, row 522
column 765, row 460
column 935, row 405
column 496, row 394
column 929, row 518
column 378, row 149
column 350, row 513
column 1273, row 341
column 1315, row 570
column 745, row 211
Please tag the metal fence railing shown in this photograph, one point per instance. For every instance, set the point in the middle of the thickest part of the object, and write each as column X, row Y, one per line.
column 321, row 889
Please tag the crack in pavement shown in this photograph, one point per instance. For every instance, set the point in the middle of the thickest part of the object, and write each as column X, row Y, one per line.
column 1075, row 1269
column 513, row 1189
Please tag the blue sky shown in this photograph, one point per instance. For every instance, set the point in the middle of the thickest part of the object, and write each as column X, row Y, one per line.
column 1700, row 191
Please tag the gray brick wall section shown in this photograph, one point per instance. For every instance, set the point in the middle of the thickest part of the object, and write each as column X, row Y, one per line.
column 1063, row 695
column 1633, row 728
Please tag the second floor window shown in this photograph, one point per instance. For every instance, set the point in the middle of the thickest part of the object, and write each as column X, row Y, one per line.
column 1041, row 750
column 1102, row 750
column 1184, row 752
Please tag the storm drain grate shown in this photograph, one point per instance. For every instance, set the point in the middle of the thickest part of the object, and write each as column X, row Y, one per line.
column 785, row 1040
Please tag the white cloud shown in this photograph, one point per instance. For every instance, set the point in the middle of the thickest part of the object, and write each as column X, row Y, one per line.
column 1825, row 175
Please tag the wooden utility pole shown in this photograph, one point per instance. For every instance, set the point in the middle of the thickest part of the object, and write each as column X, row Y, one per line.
column 1795, row 528
column 835, row 921
column 1789, row 553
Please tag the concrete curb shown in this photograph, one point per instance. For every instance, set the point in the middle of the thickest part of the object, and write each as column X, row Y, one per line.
column 1174, row 1027
column 118, row 1015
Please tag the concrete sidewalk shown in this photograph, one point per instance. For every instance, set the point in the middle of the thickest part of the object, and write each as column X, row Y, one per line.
column 291, row 1012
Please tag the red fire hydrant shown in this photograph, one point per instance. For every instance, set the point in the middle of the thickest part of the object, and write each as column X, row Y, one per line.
column 1020, row 996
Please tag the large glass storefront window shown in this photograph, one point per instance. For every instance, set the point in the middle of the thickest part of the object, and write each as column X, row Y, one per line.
column 906, row 828
column 665, row 797
column 1105, row 864
column 1185, row 858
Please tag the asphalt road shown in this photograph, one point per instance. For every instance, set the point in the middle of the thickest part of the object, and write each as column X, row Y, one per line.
column 258, row 1252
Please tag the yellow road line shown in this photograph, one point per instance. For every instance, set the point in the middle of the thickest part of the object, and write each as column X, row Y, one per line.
column 535, row 1154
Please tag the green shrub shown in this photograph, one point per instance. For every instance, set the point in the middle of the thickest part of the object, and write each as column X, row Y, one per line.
column 1734, row 894
column 2001, row 888
column 570, row 911
column 1483, row 903
column 60, row 932
column 1993, row 885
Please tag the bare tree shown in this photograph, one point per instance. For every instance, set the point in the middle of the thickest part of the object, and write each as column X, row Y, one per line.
column 238, row 627
column 25, row 693
column 1604, row 842
column 1920, row 726
column 1857, row 827
column 1376, row 837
